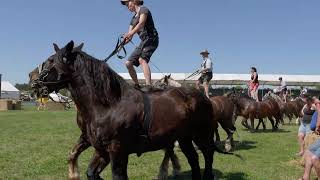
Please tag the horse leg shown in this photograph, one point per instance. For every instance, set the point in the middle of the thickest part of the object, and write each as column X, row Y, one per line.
column 252, row 130
column 244, row 123
column 205, row 145
column 229, row 140
column 272, row 123
column 119, row 164
column 192, row 156
column 163, row 170
column 258, row 125
column 175, row 163
column 82, row 145
column 216, row 132
column 96, row 166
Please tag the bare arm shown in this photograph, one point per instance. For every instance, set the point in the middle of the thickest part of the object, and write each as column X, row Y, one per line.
column 305, row 106
column 140, row 25
column 130, row 28
column 318, row 119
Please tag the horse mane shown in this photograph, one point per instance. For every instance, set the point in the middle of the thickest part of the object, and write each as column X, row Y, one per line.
column 108, row 86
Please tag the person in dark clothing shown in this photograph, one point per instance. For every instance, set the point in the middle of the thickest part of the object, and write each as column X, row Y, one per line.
column 143, row 25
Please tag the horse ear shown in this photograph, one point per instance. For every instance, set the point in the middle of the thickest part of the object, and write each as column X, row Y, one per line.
column 169, row 76
column 56, row 48
column 78, row 48
column 69, row 46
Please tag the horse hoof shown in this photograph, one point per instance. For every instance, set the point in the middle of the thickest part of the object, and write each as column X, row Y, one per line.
column 227, row 147
column 74, row 177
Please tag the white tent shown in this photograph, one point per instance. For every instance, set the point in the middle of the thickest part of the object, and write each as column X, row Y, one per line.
column 8, row 91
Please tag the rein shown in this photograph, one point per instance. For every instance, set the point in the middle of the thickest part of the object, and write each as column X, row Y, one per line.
column 119, row 46
column 193, row 74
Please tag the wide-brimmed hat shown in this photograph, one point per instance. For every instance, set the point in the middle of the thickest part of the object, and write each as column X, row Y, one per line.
column 204, row 52
column 123, row 2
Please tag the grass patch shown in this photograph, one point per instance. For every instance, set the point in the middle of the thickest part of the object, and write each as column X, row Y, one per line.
column 35, row 145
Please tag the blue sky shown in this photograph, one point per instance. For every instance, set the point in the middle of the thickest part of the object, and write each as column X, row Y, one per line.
column 277, row 36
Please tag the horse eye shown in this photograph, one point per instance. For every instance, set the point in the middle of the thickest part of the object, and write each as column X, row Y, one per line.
column 64, row 59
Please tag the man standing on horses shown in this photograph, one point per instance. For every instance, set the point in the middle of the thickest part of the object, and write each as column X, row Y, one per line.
column 141, row 24
column 206, row 72
column 283, row 89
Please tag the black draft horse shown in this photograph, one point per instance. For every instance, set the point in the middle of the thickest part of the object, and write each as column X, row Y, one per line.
column 121, row 120
column 83, row 143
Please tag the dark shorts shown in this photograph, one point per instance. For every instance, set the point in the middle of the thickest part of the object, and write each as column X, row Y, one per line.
column 206, row 77
column 145, row 50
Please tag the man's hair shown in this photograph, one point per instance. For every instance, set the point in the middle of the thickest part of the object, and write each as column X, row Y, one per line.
column 254, row 69
column 137, row 2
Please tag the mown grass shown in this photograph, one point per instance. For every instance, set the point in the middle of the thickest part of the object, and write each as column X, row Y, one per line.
column 35, row 145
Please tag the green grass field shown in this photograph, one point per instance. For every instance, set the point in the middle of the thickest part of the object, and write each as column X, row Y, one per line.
column 35, row 145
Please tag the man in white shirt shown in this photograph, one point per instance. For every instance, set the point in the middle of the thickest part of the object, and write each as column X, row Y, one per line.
column 283, row 89
column 206, row 72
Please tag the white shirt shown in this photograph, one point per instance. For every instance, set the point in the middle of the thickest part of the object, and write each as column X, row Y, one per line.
column 283, row 84
column 206, row 64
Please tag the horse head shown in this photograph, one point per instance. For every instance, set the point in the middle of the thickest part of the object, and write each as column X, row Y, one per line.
column 167, row 81
column 56, row 71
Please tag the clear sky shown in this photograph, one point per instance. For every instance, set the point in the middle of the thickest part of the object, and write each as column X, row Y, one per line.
column 276, row 36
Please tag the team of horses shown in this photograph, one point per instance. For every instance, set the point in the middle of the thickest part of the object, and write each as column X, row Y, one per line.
column 117, row 119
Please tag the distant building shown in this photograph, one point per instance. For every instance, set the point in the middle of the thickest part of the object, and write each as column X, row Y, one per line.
column 8, row 91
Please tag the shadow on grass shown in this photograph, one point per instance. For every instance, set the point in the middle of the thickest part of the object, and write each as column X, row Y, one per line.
column 244, row 145
column 271, row 131
column 218, row 174
column 239, row 145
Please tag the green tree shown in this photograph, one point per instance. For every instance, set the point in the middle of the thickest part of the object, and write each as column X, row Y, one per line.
column 23, row 87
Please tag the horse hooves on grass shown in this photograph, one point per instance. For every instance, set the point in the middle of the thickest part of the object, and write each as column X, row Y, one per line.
column 227, row 147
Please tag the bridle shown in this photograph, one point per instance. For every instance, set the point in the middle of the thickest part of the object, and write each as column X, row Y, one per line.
column 40, row 82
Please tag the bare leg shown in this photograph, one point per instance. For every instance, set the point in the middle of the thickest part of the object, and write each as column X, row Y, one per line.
column 206, row 88
column 316, row 164
column 256, row 95
column 132, row 72
column 146, row 71
column 307, row 164
column 82, row 145
column 301, row 143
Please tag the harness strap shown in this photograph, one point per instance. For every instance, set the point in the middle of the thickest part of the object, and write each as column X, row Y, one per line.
column 147, row 118
column 119, row 46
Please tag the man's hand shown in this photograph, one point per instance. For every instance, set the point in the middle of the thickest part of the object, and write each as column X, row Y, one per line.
column 127, row 37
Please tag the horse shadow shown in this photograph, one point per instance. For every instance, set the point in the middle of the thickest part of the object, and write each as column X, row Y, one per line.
column 186, row 175
column 272, row 131
column 244, row 145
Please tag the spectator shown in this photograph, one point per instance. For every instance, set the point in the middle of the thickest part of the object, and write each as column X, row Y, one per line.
column 312, row 155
